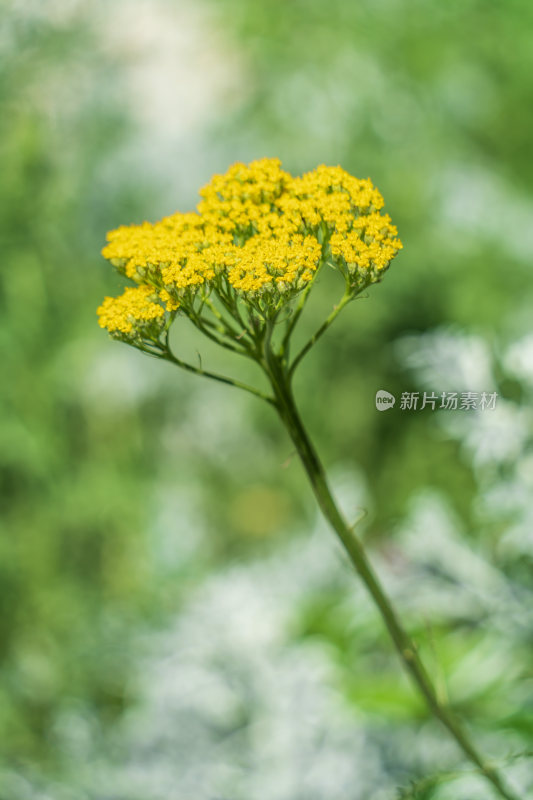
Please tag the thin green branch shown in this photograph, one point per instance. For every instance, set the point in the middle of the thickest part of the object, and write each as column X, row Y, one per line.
column 168, row 355
column 202, row 326
column 234, row 341
column 347, row 297
column 229, row 329
column 230, row 303
column 297, row 311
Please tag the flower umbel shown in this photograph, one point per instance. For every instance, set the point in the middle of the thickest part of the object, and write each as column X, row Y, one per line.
column 255, row 245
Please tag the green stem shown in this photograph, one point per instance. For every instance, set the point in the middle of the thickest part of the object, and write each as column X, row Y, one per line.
column 168, row 355
column 235, row 314
column 200, row 324
column 323, row 328
column 297, row 311
column 403, row 643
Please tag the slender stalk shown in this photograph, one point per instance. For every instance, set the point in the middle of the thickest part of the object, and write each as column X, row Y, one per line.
column 200, row 324
column 297, row 311
column 234, row 312
column 403, row 643
column 323, row 328
column 168, row 355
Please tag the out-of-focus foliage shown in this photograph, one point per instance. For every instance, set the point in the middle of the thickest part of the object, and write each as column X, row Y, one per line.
column 124, row 484
column 73, row 569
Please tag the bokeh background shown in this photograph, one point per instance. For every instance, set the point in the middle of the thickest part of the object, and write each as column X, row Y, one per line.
column 176, row 621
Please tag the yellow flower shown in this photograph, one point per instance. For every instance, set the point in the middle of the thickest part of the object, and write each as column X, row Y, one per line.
column 258, row 234
column 132, row 310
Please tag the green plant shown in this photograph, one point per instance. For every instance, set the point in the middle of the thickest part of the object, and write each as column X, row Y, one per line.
column 241, row 270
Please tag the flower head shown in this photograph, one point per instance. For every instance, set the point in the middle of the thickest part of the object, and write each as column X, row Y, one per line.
column 257, row 241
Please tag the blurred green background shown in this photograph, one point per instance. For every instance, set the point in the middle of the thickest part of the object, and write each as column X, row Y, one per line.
column 131, row 494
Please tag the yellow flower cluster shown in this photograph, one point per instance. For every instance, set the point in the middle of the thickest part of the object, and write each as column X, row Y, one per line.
column 124, row 314
column 282, row 262
column 370, row 242
column 258, row 232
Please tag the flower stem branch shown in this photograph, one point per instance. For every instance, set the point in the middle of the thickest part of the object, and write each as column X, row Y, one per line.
column 323, row 328
column 297, row 310
column 204, row 328
column 168, row 355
